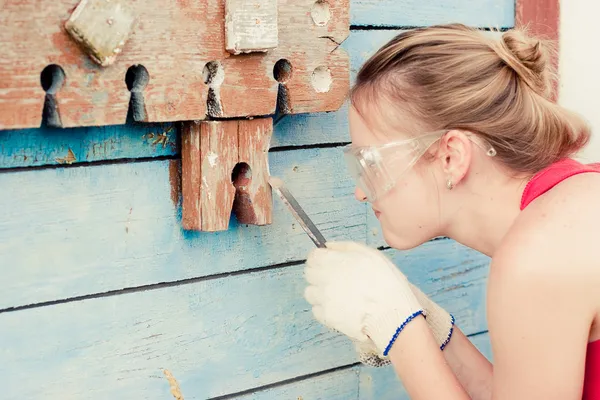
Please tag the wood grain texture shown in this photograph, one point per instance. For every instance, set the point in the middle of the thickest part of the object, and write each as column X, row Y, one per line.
column 409, row 13
column 114, row 226
column 35, row 147
column 214, row 337
column 225, row 169
column 384, row 384
column 101, row 28
column 174, row 41
column 541, row 17
column 250, row 26
column 338, row 385
column 235, row 320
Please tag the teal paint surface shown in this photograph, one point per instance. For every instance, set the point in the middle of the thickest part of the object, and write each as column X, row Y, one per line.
column 398, row 13
column 162, row 298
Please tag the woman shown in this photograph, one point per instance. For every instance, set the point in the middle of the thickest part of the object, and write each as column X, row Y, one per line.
column 454, row 134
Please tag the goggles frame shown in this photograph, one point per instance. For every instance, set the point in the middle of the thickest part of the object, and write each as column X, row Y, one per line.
column 377, row 168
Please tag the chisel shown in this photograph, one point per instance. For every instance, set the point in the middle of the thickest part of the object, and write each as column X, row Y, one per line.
column 303, row 219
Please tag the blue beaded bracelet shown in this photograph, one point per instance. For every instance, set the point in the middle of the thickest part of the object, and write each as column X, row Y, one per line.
column 449, row 333
column 410, row 318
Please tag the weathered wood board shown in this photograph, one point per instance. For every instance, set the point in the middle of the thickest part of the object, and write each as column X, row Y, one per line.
column 225, row 169
column 395, row 13
column 35, row 147
column 181, row 45
column 111, row 292
column 339, row 385
column 207, row 334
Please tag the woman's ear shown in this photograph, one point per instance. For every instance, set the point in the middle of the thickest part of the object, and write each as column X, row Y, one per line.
column 455, row 153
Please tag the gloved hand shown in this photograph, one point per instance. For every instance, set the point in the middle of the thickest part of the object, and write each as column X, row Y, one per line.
column 359, row 292
column 439, row 321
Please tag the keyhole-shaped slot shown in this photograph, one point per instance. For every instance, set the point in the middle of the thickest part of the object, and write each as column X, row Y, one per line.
column 137, row 79
column 282, row 72
column 241, row 177
column 214, row 75
column 52, row 80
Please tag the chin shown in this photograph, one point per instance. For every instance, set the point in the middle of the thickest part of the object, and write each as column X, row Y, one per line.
column 403, row 242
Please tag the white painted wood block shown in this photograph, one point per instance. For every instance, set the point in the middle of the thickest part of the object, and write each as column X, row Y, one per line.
column 250, row 26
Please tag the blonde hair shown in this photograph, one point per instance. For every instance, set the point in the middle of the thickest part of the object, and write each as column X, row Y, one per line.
column 456, row 77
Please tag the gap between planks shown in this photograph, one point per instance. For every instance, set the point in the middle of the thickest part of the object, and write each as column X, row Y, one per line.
column 176, row 156
column 305, row 377
column 162, row 285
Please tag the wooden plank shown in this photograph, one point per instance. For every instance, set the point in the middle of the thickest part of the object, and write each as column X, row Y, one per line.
column 338, row 385
column 409, row 13
column 35, row 147
column 384, row 384
column 108, row 227
column 177, row 43
column 213, row 337
column 49, row 146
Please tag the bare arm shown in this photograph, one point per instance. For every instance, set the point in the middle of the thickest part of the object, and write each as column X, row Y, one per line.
column 472, row 369
column 420, row 365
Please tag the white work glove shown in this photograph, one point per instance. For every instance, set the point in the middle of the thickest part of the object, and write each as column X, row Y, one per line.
column 359, row 292
column 440, row 322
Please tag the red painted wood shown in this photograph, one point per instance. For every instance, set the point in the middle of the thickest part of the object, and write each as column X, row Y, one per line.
column 541, row 18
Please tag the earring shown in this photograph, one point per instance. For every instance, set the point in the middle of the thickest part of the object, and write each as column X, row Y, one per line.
column 449, row 184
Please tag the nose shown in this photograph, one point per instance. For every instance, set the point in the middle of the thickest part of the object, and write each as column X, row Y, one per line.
column 360, row 195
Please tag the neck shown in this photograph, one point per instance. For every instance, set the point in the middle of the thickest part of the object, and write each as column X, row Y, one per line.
column 492, row 210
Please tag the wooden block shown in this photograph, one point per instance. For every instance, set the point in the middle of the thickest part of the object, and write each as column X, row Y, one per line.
column 250, row 25
column 101, row 28
column 223, row 161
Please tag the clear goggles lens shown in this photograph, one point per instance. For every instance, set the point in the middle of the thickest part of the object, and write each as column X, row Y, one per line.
column 377, row 168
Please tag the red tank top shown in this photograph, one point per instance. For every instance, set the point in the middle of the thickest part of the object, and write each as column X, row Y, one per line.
column 539, row 184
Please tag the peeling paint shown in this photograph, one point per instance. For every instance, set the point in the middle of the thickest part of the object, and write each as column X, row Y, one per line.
column 175, row 390
column 212, row 159
column 68, row 159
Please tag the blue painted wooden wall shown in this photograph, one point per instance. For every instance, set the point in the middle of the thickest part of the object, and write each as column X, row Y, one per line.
column 103, row 295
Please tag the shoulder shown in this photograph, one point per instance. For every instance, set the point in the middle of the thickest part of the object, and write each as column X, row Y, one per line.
column 542, row 293
column 552, row 248
column 563, row 222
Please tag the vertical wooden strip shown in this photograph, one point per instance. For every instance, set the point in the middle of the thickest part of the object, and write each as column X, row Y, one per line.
column 191, row 175
column 253, row 204
column 541, row 18
column 219, row 150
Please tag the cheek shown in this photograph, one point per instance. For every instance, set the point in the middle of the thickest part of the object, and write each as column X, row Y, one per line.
column 409, row 215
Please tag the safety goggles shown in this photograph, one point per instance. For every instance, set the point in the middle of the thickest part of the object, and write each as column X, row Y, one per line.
column 376, row 169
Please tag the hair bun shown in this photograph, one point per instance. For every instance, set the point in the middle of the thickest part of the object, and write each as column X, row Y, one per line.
column 529, row 57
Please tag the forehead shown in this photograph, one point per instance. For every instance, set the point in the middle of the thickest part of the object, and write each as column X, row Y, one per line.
column 380, row 124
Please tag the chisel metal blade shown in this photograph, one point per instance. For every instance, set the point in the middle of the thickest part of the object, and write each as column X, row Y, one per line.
column 303, row 219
